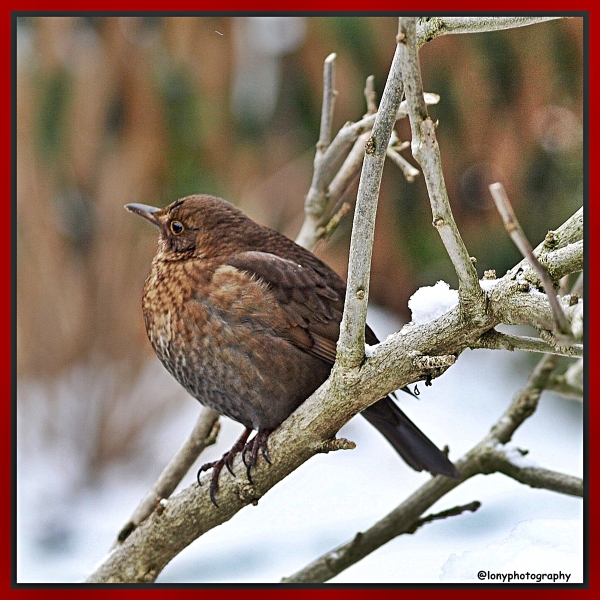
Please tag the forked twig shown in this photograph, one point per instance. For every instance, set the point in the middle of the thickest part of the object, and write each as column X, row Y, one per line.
column 518, row 237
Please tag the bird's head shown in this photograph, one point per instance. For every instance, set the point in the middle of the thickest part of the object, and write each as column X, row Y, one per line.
column 196, row 226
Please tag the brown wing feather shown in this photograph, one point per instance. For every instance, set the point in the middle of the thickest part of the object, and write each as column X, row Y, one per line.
column 313, row 300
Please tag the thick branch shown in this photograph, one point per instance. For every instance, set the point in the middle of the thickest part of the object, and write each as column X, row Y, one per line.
column 570, row 232
column 563, row 261
column 516, row 303
column 351, row 343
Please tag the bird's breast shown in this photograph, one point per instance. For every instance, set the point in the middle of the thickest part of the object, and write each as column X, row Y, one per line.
column 203, row 319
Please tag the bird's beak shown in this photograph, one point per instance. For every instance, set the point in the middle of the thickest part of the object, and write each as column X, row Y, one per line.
column 145, row 211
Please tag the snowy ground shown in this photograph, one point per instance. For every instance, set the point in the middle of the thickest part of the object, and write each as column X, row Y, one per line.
column 63, row 530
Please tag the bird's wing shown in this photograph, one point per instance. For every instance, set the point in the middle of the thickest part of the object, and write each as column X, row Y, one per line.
column 310, row 295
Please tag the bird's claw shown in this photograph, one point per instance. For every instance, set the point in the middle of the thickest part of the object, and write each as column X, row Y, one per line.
column 225, row 461
column 258, row 442
column 249, row 452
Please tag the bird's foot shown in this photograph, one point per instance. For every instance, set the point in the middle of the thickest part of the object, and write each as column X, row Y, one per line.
column 225, row 461
column 258, row 442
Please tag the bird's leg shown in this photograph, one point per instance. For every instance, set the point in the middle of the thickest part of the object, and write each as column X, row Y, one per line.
column 225, row 461
column 258, row 442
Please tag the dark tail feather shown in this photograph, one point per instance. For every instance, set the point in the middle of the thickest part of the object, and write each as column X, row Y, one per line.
column 408, row 440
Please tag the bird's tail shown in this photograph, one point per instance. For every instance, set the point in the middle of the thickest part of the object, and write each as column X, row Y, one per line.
column 408, row 440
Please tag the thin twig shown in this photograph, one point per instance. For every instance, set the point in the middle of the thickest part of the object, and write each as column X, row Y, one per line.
column 451, row 512
column 498, row 461
column 409, row 172
column 559, row 386
column 335, row 220
column 426, row 151
column 370, row 95
column 204, row 434
column 329, row 94
column 574, row 374
column 318, row 198
column 496, row 340
column 349, row 170
column 428, row 28
column 518, row 237
column 569, row 384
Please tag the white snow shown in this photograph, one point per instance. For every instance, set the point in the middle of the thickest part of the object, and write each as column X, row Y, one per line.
column 488, row 284
column 430, row 302
column 516, row 457
column 535, row 551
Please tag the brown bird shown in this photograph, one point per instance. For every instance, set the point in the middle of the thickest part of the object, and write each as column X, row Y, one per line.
column 247, row 322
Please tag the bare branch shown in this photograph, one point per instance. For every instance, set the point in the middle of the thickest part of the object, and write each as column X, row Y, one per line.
column 428, row 28
column 569, row 232
column 495, row 340
column 574, row 374
column 346, row 176
column 524, row 305
column 426, row 151
column 524, row 402
column 318, row 198
column 401, row 520
column 370, row 95
column 335, row 220
column 570, row 384
column 564, row 261
column 329, row 94
column 351, row 343
column 451, row 512
column 498, row 460
column 518, row 237
column 514, row 299
column 410, row 173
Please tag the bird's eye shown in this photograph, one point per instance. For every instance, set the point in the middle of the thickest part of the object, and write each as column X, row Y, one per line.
column 176, row 227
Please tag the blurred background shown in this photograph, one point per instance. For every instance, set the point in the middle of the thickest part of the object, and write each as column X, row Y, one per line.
column 111, row 110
